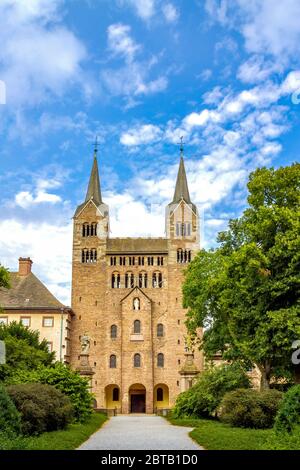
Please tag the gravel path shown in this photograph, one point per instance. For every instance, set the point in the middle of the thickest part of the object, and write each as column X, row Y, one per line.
column 141, row 432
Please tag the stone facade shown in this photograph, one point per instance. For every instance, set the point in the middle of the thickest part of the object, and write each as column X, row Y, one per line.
column 126, row 296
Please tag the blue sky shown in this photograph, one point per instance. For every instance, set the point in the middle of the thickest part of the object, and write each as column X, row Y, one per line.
column 139, row 74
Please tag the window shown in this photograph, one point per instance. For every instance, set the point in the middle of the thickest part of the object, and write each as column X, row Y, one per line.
column 113, row 361
column 48, row 321
column 89, row 256
column 131, row 260
column 160, row 330
column 159, row 394
column 115, row 394
column 150, row 260
column 50, row 346
column 113, row 331
column 129, row 280
column 122, row 260
column 89, row 230
column 160, row 360
column 183, row 229
column 137, row 326
column 137, row 360
column 113, row 260
column 157, row 280
column 141, row 260
column 143, row 280
column 3, row 320
column 183, row 256
column 25, row 321
column 115, row 281
column 160, row 261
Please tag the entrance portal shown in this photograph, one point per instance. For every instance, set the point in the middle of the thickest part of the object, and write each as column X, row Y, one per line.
column 137, row 403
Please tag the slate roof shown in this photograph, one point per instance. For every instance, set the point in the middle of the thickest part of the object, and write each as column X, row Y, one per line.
column 94, row 188
column 27, row 292
column 137, row 245
column 181, row 189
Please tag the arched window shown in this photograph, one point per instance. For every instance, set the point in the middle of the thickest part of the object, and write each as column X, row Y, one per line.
column 160, row 360
column 137, row 326
column 159, row 394
column 89, row 256
column 113, row 331
column 160, row 330
column 113, row 361
column 115, row 281
column 157, row 280
column 137, row 360
column 115, row 394
column 154, row 280
column 89, row 230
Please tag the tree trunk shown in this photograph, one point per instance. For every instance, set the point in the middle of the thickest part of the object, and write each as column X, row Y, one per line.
column 265, row 370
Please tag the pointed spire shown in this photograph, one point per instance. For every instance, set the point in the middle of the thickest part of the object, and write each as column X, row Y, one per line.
column 94, row 189
column 181, row 188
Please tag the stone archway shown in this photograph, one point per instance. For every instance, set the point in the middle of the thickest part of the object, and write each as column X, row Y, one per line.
column 137, row 398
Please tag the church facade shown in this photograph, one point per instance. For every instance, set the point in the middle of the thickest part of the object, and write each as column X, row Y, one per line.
column 127, row 300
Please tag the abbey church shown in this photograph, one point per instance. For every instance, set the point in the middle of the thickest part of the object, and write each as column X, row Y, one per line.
column 127, row 301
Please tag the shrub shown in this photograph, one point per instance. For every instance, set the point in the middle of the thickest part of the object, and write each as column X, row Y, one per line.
column 288, row 417
column 250, row 408
column 203, row 399
column 10, row 421
column 67, row 381
column 12, row 441
column 42, row 407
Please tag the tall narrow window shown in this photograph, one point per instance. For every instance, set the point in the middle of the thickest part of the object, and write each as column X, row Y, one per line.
column 140, row 280
column 160, row 281
column 145, row 280
column 137, row 360
column 113, row 361
column 160, row 330
column 115, row 394
column 154, row 280
column 115, row 281
column 177, row 230
column 122, row 260
column 89, row 256
column 160, row 360
column 141, row 260
column 188, row 230
column 113, row 331
column 113, row 260
column 160, row 261
column 137, row 327
column 129, row 280
column 150, row 260
column 159, row 394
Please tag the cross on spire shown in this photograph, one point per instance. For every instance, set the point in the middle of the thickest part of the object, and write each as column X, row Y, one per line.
column 96, row 145
column 182, row 144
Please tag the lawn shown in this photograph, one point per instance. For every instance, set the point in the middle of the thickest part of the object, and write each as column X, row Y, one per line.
column 213, row 435
column 70, row 438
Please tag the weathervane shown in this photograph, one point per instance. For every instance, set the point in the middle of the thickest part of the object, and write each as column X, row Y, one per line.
column 181, row 143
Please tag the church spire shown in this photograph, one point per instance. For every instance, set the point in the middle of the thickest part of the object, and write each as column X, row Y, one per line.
column 94, row 189
column 181, row 188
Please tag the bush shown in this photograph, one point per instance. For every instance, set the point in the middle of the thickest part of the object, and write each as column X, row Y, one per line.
column 250, row 408
column 42, row 407
column 67, row 381
column 10, row 421
column 288, row 417
column 203, row 399
column 12, row 441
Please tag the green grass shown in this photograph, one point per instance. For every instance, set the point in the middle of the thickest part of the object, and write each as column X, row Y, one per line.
column 214, row 435
column 68, row 439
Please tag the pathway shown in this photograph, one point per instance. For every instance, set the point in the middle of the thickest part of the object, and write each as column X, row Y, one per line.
column 140, row 432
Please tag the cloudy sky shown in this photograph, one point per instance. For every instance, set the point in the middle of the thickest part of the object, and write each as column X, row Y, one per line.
column 225, row 75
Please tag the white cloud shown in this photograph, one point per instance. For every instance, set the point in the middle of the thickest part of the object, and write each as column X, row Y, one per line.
column 145, row 9
column 120, row 42
column 257, row 69
column 49, row 246
column 33, row 63
column 144, row 134
column 268, row 26
column 170, row 12
column 133, row 78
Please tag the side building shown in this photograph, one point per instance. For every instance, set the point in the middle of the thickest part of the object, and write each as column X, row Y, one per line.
column 127, row 299
column 30, row 302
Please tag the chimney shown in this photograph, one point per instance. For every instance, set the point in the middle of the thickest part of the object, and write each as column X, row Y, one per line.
column 24, row 266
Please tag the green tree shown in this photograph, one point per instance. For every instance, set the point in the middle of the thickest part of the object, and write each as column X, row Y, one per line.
column 4, row 277
column 246, row 292
column 24, row 350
